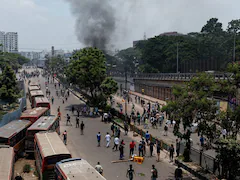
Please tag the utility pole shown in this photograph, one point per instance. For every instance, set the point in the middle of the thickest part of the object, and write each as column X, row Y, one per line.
column 126, row 95
column 234, row 47
column 177, row 58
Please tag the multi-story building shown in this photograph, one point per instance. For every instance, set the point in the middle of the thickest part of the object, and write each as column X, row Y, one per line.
column 9, row 41
column 2, row 37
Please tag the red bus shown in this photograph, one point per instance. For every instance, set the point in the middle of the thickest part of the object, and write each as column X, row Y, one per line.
column 14, row 133
column 34, row 94
column 33, row 88
column 7, row 160
column 48, row 150
column 35, row 113
column 41, row 102
column 44, row 123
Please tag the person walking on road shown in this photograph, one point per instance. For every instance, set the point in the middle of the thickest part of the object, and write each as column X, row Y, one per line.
column 77, row 122
column 147, row 137
column 177, row 147
column 165, row 129
column 116, row 143
column 154, row 173
column 68, row 120
column 144, row 146
column 178, row 173
column 158, row 151
column 108, row 138
column 121, row 149
column 99, row 139
column 140, row 149
column 82, row 126
column 112, row 129
column 99, row 168
column 130, row 172
column 151, row 145
column 171, row 152
column 65, row 137
column 52, row 99
column 125, row 128
column 132, row 145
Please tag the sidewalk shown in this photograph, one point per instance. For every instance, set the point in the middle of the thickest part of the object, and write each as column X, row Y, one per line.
column 170, row 138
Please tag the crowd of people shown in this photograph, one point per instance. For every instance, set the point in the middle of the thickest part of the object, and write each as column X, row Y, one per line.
column 119, row 145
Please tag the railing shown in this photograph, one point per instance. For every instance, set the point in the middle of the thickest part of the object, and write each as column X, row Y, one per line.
column 169, row 76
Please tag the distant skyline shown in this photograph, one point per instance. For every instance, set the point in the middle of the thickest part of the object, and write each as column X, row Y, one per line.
column 43, row 23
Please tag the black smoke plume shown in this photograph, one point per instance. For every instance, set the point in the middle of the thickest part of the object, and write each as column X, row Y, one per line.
column 95, row 22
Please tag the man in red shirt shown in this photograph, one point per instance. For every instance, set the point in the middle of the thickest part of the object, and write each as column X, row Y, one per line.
column 132, row 145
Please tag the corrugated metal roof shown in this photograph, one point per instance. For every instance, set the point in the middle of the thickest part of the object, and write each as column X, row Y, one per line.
column 50, row 144
column 13, row 127
column 6, row 160
column 34, row 112
column 76, row 169
column 43, row 123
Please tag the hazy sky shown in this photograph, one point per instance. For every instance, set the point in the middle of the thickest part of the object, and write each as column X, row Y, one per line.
column 43, row 23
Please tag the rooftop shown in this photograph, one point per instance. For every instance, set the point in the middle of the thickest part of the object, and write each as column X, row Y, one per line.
column 43, row 123
column 51, row 144
column 13, row 127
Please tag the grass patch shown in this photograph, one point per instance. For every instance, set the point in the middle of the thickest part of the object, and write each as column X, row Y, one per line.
column 118, row 120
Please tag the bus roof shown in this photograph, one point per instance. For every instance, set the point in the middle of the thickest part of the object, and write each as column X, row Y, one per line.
column 50, row 144
column 43, row 123
column 32, row 88
column 35, row 112
column 76, row 168
column 13, row 127
column 41, row 100
column 36, row 93
column 6, row 157
column 33, row 84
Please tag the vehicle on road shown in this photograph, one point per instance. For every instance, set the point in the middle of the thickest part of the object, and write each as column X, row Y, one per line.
column 33, row 84
column 14, row 134
column 48, row 150
column 33, row 88
column 7, row 160
column 35, row 113
column 41, row 102
column 44, row 123
column 75, row 169
column 34, row 94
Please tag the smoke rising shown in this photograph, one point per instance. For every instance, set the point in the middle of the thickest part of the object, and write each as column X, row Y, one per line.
column 95, row 23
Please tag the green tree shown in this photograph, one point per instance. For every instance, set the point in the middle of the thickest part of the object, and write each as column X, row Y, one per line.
column 8, row 85
column 234, row 26
column 88, row 72
column 194, row 103
column 212, row 27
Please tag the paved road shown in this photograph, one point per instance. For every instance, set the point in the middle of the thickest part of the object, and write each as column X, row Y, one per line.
column 171, row 138
column 85, row 146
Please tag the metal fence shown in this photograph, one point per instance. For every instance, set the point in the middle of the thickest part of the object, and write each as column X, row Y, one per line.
column 205, row 161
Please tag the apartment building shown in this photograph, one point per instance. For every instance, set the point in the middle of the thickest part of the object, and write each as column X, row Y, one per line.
column 9, row 41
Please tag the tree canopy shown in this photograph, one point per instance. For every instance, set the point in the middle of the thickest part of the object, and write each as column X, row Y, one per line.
column 209, row 49
column 12, row 59
column 87, row 70
column 8, row 85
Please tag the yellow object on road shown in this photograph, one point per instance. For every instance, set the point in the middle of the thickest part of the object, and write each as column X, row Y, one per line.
column 138, row 159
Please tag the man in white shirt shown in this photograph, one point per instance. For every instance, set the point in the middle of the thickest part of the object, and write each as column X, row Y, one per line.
column 116, row 143
column 105, row 117
column 108, row 138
